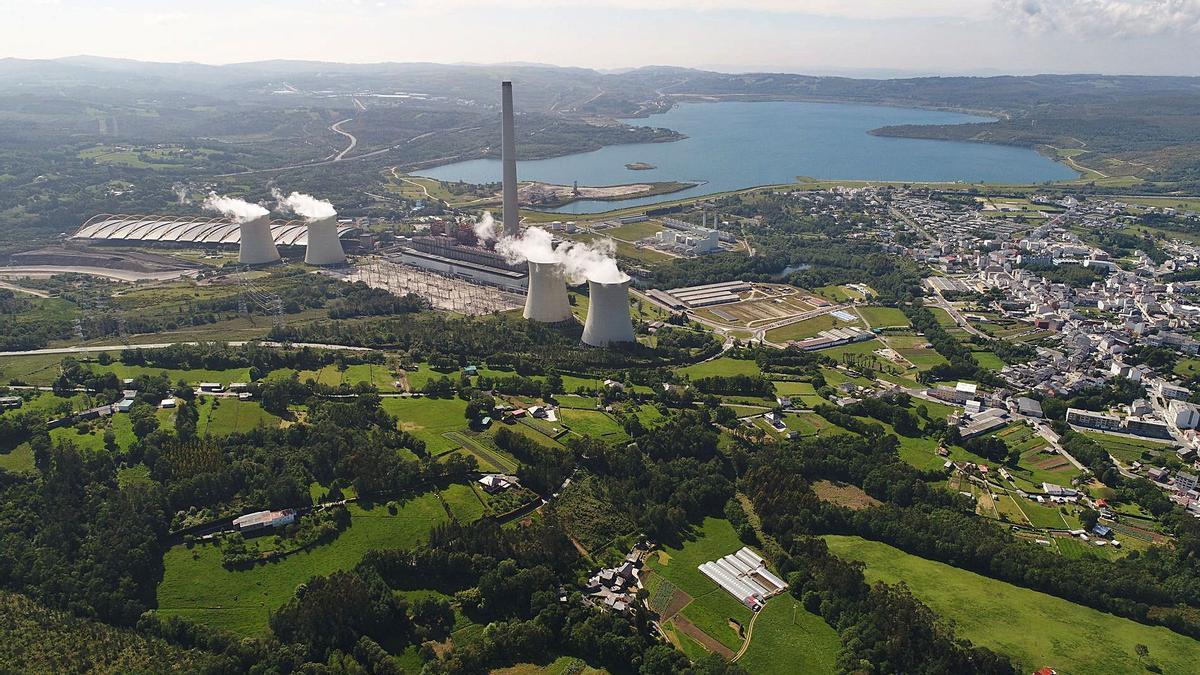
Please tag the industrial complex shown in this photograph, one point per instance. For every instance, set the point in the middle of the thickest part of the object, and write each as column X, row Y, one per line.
column 450, row 266
column 191, row 230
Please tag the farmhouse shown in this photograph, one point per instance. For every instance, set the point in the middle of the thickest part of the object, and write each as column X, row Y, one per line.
column 495, row 482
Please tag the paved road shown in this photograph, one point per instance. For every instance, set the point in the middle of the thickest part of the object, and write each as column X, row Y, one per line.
column 21, row 289
column 164, row 345
column 337, row 127
column 916, row 226
column 959, row 319
column 119, row 275
column 429, row 162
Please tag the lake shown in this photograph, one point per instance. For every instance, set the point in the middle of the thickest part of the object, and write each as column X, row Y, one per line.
column 733, row 145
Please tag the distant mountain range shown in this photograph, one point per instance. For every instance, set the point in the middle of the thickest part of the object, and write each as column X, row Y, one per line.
column 1142, row 126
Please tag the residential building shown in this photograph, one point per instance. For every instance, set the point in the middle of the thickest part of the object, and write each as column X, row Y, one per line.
column 1093, row 420
column 1183, row 415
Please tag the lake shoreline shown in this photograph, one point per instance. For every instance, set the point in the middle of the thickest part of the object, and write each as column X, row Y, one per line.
column 742, row 144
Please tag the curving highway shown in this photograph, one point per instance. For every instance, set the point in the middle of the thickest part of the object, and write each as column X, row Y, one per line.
column 337, row 127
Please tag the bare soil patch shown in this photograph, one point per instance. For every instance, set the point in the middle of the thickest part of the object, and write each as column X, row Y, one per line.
column 844, row 494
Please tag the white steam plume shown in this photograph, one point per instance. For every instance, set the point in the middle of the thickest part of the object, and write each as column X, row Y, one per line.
column 485, row 228
column 305, row 206
column 240, row 210
column 581, row 261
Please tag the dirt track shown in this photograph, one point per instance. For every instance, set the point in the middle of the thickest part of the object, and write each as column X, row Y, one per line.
column 686, row 627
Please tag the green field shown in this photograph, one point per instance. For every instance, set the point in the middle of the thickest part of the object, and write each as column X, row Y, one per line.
column 191, row 375
column 1033, row 628
column 463, row 501
column 226, row 415
column 429, row 418
column 789, row 639
column 943, row 317
column 37, row 369
column 723, row 366
column 915, row 349
column 839, row 293
column 809, row 328
column 1128, row 449
column 988, row 360
column 635, row 231
column 883, row 317
column 420, row 374
column 195, row 585
column 19, row 459
column 711, row 607
column 595, row 423
column 802, row 393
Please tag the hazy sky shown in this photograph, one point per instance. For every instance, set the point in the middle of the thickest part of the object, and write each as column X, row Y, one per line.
column 817, row 36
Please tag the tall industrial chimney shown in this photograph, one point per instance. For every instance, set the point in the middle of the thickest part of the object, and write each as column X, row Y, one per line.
column 257, row 245
column 546, row 298
column 324, row 247
column 608, row 317
column 508, row 157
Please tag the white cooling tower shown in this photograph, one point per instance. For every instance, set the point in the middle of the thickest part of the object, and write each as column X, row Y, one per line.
column 257, row 246
column 546, row 299
column 324, row 248
column 508, row 157
column 608, row 317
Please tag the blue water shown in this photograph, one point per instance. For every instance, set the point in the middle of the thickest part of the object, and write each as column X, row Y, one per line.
column 738, row 145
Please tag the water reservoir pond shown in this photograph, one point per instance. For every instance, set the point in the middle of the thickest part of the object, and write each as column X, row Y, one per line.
column 732, row 145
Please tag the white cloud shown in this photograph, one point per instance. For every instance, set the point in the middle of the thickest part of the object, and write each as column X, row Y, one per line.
column 1104, row 18
column 845, row 9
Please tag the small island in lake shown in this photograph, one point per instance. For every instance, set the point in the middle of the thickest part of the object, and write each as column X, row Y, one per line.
column 640, row 166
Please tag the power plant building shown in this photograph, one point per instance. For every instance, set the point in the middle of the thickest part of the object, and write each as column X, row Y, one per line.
column 204, row 231
column 702, row 296
column 608, row 319
column 444, row 254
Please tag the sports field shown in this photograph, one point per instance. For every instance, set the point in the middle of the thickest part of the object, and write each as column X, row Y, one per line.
column 1035, row 629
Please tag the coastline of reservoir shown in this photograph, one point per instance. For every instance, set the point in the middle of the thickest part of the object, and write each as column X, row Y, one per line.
column 736, row 145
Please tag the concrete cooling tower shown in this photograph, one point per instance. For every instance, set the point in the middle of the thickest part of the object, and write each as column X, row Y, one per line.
column 257, row 244
column 608, row 317
column 324, row 247
column 508, row 157
column 546, row 298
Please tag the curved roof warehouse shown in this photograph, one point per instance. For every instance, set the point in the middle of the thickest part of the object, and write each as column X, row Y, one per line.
column 201, row 230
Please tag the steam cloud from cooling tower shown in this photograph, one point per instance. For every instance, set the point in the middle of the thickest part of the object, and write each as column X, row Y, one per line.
column 239, row 210
column 324, row 247
column 581, row 261
column 257, row 245
column 305, row 206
